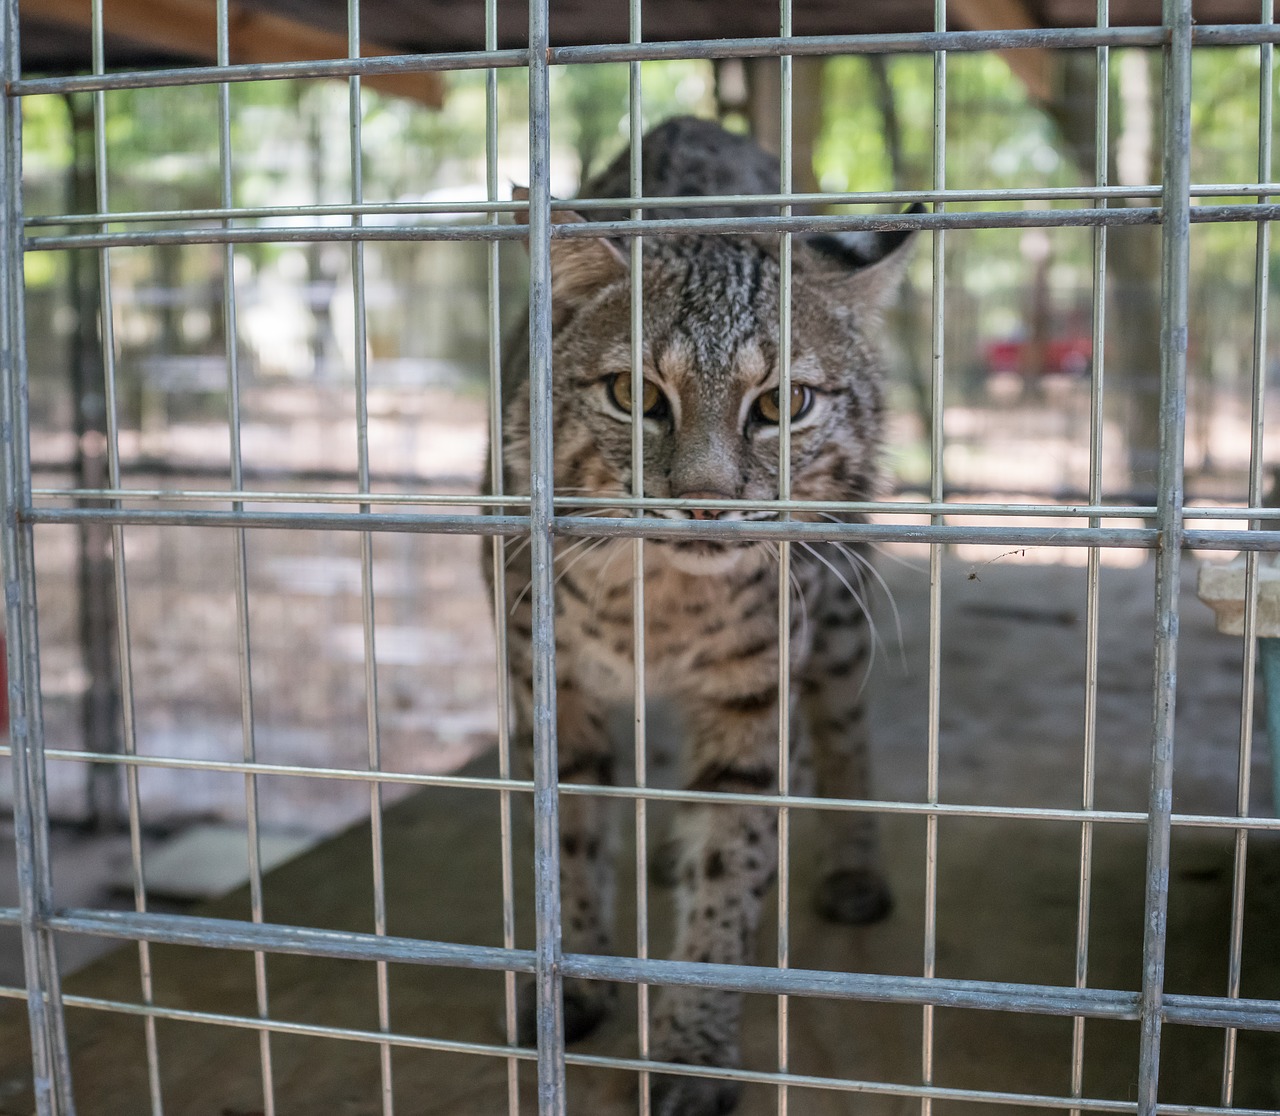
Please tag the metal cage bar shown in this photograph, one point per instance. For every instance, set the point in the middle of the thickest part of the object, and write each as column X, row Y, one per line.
column 549, row 972
column 1101, row 155
column 1176, row 231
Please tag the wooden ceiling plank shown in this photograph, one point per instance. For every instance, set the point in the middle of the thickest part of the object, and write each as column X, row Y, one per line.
column 189, row 27
column 1035, row 67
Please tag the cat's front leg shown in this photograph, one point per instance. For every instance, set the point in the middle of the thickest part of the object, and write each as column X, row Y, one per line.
column 586, row 861
column 727, row 861
column 852, row 887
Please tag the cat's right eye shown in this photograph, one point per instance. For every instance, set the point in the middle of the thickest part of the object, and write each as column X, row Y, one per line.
column 655, row 403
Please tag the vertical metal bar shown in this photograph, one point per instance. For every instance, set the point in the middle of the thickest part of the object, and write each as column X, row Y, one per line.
column 499, row 545
column 120, row 575
column 1101, row 153
column 241, row 560
column 1176, row 207
column 786, row 158
column 367, row 600
column 50, row 1065
column 635, row 111
column 1261, row 297
column 550, row 982
column 937, row 490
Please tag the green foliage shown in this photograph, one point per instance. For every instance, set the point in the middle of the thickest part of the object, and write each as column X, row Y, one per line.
column 290, row 145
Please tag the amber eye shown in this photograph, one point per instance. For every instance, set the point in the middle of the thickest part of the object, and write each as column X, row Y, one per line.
column 767, row 409
column 655, row 403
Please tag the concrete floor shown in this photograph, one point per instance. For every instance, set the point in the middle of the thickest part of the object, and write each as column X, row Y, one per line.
column 1013, row 709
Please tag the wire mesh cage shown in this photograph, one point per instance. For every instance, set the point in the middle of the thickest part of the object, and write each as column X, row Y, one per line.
column 414, row 1002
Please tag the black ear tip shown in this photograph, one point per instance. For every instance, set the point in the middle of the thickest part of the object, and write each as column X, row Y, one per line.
column 915, row 207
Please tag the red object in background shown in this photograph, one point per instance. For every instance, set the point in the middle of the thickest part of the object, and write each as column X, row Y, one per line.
column 1064, row 356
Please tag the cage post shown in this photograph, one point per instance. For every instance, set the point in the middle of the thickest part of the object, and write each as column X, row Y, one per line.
column 937, row 494
column 498, row 544
column 640, row 728
column 1175, row 238
column 248, row 730
column 550, row 981
column 50, row 1063
column 367, row 597
column 786, row 155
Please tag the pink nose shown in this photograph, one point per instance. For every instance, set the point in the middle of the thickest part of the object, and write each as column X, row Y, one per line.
column 704, row 513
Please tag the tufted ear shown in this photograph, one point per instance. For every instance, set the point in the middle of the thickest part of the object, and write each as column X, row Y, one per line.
column 866, row 266
column 580, row 265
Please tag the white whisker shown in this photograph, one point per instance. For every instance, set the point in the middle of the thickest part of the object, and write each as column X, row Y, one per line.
column 600, row 576
column 860, row 565
column 774, row 553
column 558, row 557
column 861, row 602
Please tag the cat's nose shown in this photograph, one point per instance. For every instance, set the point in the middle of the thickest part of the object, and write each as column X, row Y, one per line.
column 705, row 494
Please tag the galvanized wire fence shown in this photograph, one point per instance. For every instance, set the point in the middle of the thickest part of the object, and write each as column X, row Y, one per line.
column 1167, row 528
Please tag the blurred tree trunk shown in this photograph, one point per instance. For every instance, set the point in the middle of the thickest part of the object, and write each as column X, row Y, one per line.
column 1133, row 252
column 95, row 580
column 763, row 109
column 917, row 345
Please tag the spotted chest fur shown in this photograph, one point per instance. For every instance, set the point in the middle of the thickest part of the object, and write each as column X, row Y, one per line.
column 711, row 410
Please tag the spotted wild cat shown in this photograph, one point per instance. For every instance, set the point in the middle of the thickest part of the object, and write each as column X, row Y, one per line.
column 711, row 412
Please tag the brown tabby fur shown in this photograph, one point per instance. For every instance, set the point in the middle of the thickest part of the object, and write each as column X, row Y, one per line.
column 711, row 337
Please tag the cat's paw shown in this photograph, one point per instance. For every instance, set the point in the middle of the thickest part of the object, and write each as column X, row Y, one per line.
column 672, row 1095
column 854, row 896
column 586, row 1006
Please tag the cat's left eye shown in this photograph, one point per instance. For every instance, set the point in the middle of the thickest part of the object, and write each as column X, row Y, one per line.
column 768, row 407
column 655, row 403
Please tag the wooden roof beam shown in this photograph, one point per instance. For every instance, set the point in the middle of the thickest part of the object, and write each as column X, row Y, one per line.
column 190, row 27
column 1035, row 67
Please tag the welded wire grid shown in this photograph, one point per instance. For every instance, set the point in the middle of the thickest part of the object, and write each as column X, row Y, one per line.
column 542, row 519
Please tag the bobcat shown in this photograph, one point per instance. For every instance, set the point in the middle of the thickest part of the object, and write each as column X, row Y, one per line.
column 711, row 411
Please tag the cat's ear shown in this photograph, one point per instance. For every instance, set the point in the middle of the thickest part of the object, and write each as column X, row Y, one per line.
column 580, row 265
column 866, row 266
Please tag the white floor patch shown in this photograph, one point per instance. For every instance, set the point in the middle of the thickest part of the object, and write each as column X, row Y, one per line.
column 209, row 860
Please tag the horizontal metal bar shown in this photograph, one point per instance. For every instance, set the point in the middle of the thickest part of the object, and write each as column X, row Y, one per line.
column 800, row 223
column 466, row 782
column 1232, row 540
column 285, row 770
column 921, row 42
column 219, row 933
column 794, row 531
column 900, row 222
column 212, row 933
column 297, row 521
column 795, row 802
column 572, row 55
column 652, row 527
column 873, row 1088
column 809, row 1081
column 321, row 234
column 1033, row 999
column 1208, row 512
column 280, row 1026
column 863, row 987
column 894, row 507
column 270, row 71
column 263, row 496
column 1214, row 1011
column 1061, row 38
column 467, row 499
column 480, row 206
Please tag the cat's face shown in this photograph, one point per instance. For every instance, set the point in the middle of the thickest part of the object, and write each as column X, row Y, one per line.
column 710, row 400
